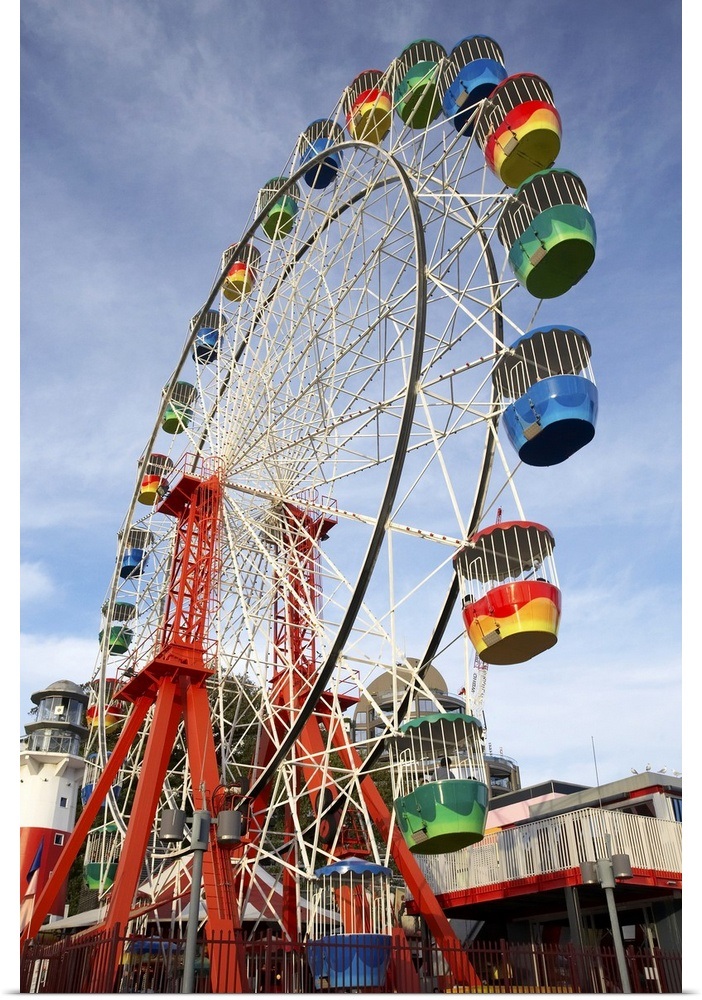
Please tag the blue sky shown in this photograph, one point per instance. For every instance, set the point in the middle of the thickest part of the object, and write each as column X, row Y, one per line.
column 148, row 127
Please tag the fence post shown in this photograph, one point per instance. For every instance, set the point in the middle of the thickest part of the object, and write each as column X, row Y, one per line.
column 26, row 966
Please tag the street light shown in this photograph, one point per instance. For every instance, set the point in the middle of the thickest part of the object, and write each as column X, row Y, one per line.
column 172, row 830
column 604, row 871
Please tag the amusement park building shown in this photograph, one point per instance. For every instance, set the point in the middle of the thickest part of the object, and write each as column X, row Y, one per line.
column 387, row 688
column 523, row 882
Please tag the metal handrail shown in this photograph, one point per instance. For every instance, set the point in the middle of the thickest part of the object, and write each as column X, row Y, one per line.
column 557, row 844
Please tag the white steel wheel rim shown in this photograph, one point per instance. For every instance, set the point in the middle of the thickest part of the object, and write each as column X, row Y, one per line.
column 296, row 438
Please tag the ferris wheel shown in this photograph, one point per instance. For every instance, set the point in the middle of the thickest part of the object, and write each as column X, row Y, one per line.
column 341, row 394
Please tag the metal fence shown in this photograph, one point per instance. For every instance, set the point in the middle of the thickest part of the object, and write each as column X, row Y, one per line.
column 111, row 963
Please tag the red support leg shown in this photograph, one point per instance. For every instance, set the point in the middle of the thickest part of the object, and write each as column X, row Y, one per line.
column 159, row 746
column 223, row 920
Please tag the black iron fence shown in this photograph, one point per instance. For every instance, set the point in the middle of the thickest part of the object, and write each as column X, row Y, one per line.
column 111, row 963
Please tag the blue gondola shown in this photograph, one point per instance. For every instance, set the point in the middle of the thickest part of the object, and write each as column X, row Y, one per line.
column 206, row 344
column 475, row 68
column 135, row 556
column 551, row 395
column 320, row 137
column 354, row 895
column 91, row 776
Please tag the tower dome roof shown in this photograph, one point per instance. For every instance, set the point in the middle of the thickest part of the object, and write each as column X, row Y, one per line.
column 68, row 688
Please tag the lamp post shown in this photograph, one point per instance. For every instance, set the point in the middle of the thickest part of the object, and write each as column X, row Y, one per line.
column 172, row 830
column 198, row 845
column 604, row 871
column 228, row 823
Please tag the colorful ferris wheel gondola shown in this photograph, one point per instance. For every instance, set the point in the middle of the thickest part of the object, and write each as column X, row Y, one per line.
column 136, row 555
column 320, row 137
column 550, row 394
column 417, row 95
column 179, row 409
column 510, row 613
column 101, row 854
column 154, row 480
column 473, row 70
column 282, row 199
column 92, row 773
column 208, row 332
column 242, row 261
column 442, row 780
column 368, row 107
column 549, row 233
column 115, row 708
column 520, row 132
column 119, row 633
column 349, row 934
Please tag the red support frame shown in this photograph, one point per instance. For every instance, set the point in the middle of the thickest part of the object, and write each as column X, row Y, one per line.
column 295, row 659
column 174, row 682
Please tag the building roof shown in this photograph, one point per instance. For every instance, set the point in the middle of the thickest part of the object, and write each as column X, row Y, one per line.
column 604, row 795
column 61, row 687
column 550, row 787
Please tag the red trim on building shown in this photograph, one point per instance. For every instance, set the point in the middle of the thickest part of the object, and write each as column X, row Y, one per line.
column 30, row 838
column 543, row 883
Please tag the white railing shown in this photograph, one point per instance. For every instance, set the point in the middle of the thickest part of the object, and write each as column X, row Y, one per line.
column 556, row 844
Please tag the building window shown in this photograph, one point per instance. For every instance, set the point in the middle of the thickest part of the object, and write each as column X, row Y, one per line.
column 499, row 782
column 63, row 802
column 425, row 707
column 54, row 741
column 60, row 709
column 58, row 840
column 360, row 734
column 360, row 717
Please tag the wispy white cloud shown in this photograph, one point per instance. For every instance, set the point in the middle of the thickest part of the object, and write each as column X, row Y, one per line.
column 148, row 129
column 47, row 658
column 627, row 699
column 36, row 583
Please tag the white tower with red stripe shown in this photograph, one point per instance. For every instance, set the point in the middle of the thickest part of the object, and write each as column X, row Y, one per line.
column 51, row 771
